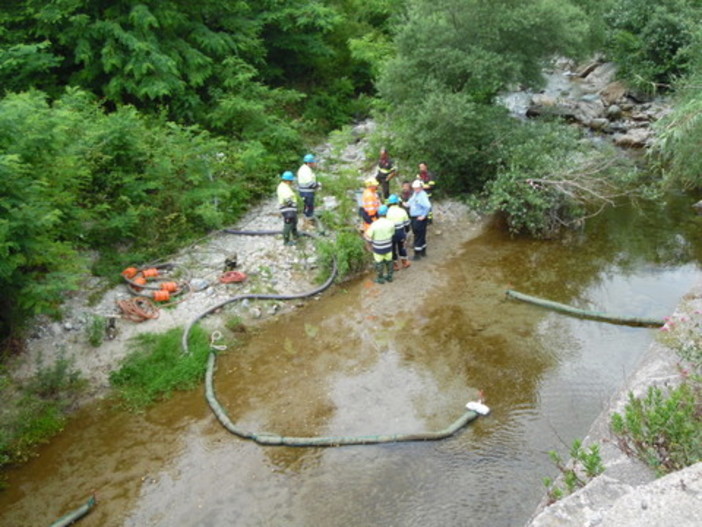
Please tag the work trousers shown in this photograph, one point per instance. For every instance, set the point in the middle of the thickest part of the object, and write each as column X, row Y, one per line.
column 419, row 229
column 308, row 203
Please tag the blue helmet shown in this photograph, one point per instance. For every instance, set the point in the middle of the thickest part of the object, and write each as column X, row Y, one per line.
column 393, row 199
column 287, row 176
column 309, row 158
column 383, row 210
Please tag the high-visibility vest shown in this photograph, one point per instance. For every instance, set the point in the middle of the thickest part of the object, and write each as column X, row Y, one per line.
column 287, row 201
column 306, row 179
column 399, row 217
column 380, row 235
column 371, row 202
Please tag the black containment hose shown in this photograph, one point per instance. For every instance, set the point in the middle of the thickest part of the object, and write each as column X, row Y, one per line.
column 264, row 438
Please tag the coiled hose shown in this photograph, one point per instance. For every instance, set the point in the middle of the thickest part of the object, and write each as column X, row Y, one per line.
column 269, row 439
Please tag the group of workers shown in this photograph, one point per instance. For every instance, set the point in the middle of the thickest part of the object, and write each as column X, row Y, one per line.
column 387, row 217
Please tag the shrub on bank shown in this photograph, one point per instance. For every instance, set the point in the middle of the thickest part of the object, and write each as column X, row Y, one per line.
column 664, row 428
column 36, row 410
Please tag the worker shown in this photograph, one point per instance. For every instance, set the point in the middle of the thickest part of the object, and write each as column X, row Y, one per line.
column 427, row 178
column 379, row 236
column 370, row 203
column 420, row 206
column 287, row 202
column 307, row 185
column 405, row 193
column 429, row 181
column 398, row 215
column 386, row 171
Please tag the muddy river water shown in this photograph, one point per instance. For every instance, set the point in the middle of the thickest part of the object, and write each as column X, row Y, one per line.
column 402, row 357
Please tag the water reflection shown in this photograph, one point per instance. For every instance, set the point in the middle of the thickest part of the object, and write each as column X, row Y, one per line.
column 363, row 361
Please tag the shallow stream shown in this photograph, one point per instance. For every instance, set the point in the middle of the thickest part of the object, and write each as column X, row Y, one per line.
column 402, row 357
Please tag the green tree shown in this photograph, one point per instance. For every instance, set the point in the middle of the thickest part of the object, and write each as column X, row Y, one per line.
column 453, row 58
column 128, row 185
column 651, row 40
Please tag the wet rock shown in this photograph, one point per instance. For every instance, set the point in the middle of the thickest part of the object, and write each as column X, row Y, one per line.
column 613, row 93
column 199, row 284
column 599, row 123
column 634, row 138
column 614, row 112
column 600, row 77
column 587, row 68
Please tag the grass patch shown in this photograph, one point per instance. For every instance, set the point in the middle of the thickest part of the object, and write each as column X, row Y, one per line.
column 36, row 410
column 157, row 367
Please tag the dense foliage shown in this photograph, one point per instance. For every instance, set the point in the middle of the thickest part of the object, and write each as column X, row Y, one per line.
column 35, row 410
column 453, row 58
column 75, row 178
column 651, row 40
column 129, row 127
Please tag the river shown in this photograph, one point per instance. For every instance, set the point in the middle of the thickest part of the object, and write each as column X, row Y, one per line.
column 402, row 357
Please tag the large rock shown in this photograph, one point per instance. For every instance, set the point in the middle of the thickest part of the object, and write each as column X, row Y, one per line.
column 613, row 93
column 675, row 499
column 634, row 138
column 600, row 77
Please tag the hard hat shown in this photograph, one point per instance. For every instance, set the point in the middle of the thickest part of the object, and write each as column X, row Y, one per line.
column 383, row 210
column 287, row 176
column 371, row 182
column 417, row 183
column 393, row 199
column 309, row 158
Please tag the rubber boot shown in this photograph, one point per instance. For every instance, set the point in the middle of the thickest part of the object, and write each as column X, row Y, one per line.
column 405, row 263
column 388, row 271
column 417, row 256
column 396, row 265
column 379, row 270
column 287, row 232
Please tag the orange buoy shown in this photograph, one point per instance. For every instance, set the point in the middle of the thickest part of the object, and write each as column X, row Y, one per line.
column 130, row 272
column 151, row 272
column 171, row 287
column 139, row 280
column 162, row 296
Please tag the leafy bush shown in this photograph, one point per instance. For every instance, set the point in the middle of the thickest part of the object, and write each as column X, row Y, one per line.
column 97, row 325
column 157, row 367
column 683, row 334
column 73, row 177
column 349, row 251
column 651, row 40
column 584, row 464
column 664, row 428
column 550, row 180
column 35, row 411
column 678, row 135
